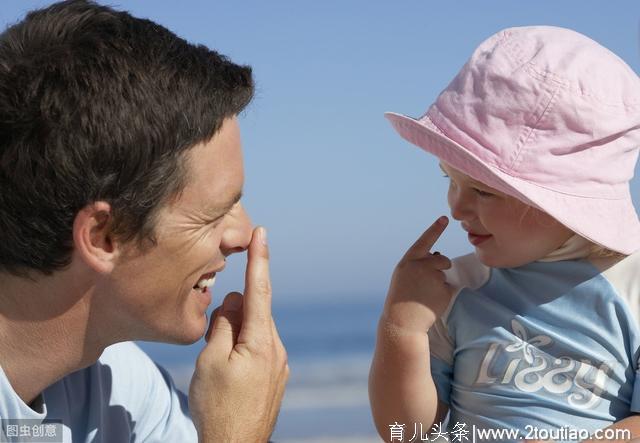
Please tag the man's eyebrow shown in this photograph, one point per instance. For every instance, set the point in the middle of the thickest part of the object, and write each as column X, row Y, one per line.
column 218, row 211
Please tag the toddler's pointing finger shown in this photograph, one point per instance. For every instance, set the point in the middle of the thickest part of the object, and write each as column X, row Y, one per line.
column 428, row 238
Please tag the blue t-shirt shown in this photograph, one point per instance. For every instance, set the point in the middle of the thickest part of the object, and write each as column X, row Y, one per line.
column 123, row 397
column 548, row 345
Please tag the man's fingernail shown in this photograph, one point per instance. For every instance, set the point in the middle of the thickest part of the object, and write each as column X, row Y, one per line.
column 443, row 220
column 262, row 233
column 232, row 303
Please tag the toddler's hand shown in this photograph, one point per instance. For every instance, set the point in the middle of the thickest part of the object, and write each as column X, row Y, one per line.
column 419, row 293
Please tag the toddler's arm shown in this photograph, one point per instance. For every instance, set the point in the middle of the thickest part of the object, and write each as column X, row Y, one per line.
column 401, row 388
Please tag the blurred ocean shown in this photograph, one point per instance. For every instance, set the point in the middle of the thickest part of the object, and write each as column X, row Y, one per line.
column 329, row 344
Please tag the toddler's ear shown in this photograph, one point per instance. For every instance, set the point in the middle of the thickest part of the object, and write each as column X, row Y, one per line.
column 92, row 238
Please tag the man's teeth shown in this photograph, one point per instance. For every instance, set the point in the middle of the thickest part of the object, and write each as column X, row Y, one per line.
column 206, row 282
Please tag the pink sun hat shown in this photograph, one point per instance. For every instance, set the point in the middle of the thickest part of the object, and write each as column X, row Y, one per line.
column 548, row 116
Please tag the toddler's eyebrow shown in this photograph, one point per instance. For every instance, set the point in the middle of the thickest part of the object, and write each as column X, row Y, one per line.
column 469, row 179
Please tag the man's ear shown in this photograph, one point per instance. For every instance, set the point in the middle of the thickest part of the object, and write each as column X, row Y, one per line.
column 92, row 237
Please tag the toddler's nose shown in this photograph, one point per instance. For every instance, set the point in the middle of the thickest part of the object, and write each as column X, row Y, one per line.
column 461, row 207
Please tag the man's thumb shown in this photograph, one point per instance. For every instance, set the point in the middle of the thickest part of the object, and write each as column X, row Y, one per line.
column 226, row 322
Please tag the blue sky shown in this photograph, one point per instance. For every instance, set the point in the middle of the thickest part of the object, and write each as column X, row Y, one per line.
column 341, row 194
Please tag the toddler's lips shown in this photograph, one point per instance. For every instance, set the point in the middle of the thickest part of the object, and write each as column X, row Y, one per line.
column 477, row 239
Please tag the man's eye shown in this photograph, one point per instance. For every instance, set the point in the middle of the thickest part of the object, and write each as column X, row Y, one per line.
column 215, row 221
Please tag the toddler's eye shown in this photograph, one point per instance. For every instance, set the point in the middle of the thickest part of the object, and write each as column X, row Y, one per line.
column 483, row 193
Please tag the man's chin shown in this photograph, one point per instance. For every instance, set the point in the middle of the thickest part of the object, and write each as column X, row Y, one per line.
column 189, row 339
column 186, row 341
column 185, row 336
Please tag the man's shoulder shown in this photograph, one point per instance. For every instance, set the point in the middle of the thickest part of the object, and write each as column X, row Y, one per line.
column 126, row 353
column 131, row 372
column 122, row 393
column 123, row 372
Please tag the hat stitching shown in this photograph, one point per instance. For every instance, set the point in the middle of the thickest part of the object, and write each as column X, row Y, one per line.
column 439, row 141
column 503, row 37
column 532, row 135
column 443, row 133
column 586, row 197
column 544, row 75
column 529, row 66
column 539, row 73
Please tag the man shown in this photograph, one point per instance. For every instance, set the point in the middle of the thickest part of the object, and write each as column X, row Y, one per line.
column 120, row 183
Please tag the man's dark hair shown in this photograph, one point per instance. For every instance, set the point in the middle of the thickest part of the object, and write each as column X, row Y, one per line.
column 97, row 105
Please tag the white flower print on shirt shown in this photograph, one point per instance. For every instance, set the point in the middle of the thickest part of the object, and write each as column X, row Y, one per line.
column 523, row 342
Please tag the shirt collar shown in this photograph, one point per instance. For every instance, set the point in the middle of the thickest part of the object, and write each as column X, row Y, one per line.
column 574, row 248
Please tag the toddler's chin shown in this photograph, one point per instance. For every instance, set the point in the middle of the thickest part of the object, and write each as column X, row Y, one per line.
column 500, row 259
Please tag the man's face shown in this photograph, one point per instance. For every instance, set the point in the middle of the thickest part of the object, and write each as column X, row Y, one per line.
column 152, row 295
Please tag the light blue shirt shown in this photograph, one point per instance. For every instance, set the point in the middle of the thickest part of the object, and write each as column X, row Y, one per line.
column 123, row 397
column 546, row 345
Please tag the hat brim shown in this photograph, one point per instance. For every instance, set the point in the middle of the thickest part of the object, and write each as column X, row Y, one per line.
column 610, row 223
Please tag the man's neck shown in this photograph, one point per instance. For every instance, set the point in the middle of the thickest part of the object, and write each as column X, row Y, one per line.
column 45, row 330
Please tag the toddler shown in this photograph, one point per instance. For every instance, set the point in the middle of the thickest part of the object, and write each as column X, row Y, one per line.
column 537, row 330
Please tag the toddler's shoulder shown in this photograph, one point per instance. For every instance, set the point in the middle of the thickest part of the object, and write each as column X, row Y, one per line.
column 616, row 269
column 467, row 271
column 624, row 277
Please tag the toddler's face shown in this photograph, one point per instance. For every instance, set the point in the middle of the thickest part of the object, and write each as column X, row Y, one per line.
column 505, row 232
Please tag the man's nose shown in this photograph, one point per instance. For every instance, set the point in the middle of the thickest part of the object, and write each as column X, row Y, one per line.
column 237, row 235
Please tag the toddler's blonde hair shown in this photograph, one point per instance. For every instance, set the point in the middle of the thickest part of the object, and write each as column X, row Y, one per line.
column 595, row 250
column 598, row 251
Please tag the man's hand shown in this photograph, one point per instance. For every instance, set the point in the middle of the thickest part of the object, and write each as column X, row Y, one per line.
column 418, row 293
column 240, row 375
